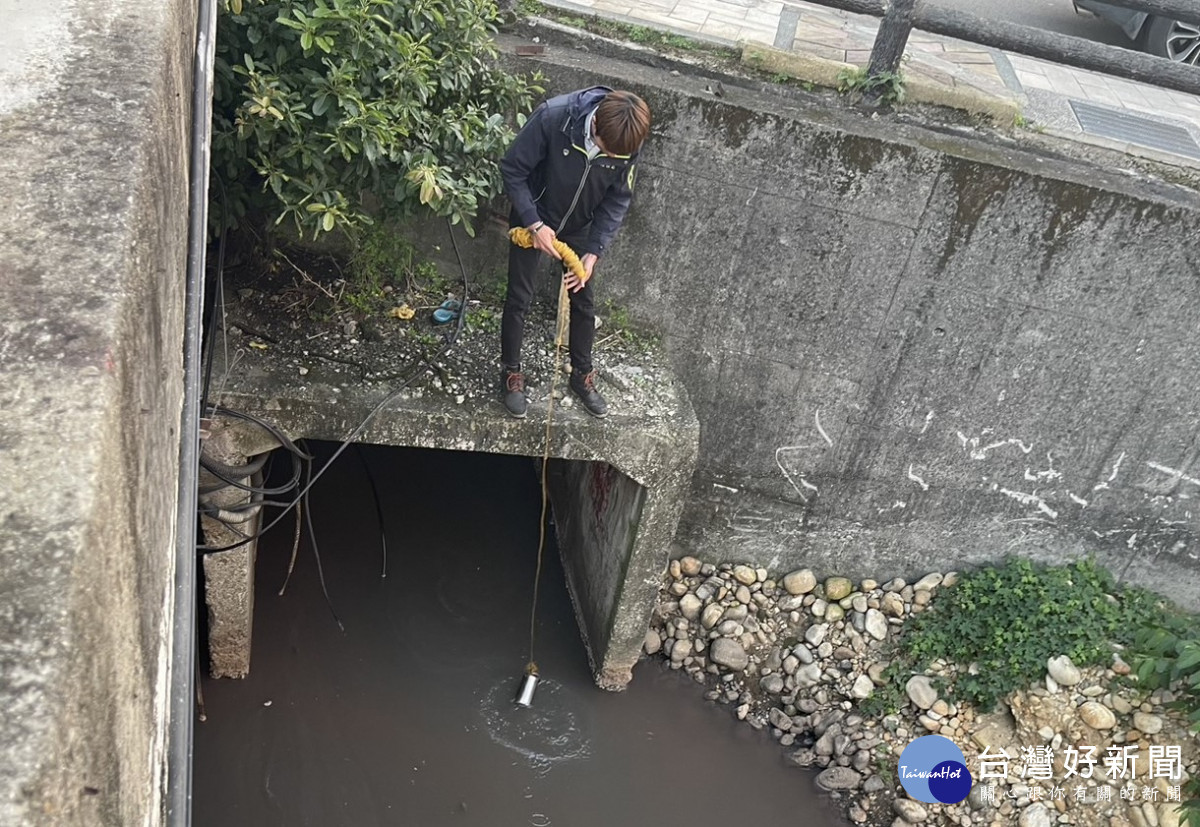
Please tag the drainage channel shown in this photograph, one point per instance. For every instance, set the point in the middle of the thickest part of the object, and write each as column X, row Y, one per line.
column 407, row 717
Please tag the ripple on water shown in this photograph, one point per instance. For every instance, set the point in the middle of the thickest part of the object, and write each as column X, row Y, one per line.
column 547, row 733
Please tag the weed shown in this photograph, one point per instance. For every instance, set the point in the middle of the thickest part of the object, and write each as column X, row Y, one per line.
column 622, row 326
column 484, row 319
column 642, row 35
column 889, row 86
column 384, row 259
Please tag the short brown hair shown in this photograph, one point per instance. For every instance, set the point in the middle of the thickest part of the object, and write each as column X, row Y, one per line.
column 622, row 122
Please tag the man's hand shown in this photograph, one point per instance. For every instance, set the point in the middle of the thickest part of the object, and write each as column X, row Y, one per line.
column 543, row 239
column 572, row 281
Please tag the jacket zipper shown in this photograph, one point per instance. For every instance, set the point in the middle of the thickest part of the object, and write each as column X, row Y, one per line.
column 587, row 167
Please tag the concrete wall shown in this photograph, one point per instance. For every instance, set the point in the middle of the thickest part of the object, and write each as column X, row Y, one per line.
column 597, row 510
column 911, row 349
column 93, row 164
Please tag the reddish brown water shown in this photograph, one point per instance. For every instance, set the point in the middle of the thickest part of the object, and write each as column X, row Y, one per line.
column 407, row 717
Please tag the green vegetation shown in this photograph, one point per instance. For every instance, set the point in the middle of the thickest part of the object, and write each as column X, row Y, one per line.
column 384, row 259
column 889, row 86
column 621, row 326
column 1168, row 653
column 1001, row 624
column 642, row 35
column 322, row 107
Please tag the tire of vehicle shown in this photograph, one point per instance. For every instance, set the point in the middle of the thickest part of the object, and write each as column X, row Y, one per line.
column 1172, row 39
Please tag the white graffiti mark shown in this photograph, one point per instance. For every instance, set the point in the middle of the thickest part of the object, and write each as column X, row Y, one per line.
column 1050, row 473
column 895, row 505
column 1077, row 500
column 1111, row 477
column 924, row 485
column 1177, row 473
column 971, row 445
column 799, row 475
column 720, row 487
column 1028, row 499
column 928, row 422
column 817, row 419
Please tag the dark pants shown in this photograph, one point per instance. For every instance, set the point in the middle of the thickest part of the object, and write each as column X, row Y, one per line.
column 524, row 264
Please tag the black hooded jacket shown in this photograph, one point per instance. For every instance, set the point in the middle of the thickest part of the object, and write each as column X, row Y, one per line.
column 548, row 175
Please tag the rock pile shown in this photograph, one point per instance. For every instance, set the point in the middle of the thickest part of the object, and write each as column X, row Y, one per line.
column 796, row 656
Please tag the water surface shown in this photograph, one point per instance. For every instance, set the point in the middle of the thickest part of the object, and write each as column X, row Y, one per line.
column 407, row 717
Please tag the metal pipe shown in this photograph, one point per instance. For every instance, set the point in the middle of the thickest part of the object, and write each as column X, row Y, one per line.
column 178, row 809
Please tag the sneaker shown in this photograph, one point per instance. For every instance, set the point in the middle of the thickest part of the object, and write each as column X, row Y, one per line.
column 583, row 385
column 512, row 390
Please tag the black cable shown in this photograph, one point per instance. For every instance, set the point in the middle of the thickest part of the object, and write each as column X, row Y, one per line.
column 274, row 431
column 378, row 504
column 219, row 295
column 236, row 471
column 232, row 482
column 312, row 538
column 213, row 488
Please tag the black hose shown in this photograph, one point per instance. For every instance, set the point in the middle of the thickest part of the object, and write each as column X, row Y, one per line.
column 236, row 471
column 184, row 651
column 235, row 481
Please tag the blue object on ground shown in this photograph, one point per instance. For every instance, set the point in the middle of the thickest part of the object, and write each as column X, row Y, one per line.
column 448, row 312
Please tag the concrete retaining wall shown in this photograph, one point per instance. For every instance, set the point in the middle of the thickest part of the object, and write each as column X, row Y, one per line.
column 93, row 230
column 597, row 510
column 913, row 349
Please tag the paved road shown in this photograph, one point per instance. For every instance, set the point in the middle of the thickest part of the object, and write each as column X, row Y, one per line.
column 1051, row 15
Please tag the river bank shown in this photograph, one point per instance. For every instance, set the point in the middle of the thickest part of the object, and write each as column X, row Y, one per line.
column 801, row 658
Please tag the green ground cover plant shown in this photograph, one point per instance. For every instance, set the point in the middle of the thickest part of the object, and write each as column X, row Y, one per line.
column 1001, row 624
column 1167, row 653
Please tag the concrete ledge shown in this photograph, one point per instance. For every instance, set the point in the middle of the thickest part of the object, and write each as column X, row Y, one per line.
column 826, row 72
column 93, row 166
column 617, row 503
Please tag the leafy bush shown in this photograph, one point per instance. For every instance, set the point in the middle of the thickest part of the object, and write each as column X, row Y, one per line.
column 322, row 105
column 1004, row 622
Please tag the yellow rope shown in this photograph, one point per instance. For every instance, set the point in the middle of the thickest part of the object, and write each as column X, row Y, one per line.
column 522, row 237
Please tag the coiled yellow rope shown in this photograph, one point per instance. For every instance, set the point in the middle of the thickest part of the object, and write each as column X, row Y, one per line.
column 523, row 238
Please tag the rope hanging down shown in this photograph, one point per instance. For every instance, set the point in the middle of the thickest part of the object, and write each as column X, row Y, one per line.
column 523, row 238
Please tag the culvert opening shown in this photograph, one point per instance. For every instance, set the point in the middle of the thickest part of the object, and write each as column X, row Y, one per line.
column 595, row 505
column 407, row 717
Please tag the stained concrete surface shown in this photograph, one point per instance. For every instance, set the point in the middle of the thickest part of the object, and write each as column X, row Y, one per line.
column 649, row 438
column 407, row 717
column 93, row 180
column 913, row 346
